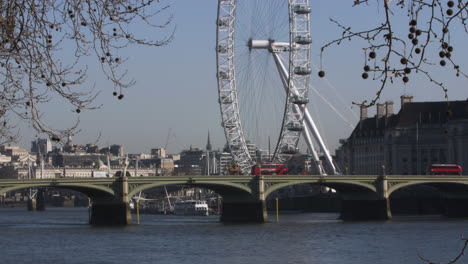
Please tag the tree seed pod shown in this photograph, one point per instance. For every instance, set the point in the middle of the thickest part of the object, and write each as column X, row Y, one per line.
column 321, row 74
column 372, row 54
column 365, row 75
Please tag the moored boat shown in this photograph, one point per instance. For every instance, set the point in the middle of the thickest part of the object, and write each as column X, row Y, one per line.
column 191, row 207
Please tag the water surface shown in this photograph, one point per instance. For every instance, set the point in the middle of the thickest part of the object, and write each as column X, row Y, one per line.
column 62, row 235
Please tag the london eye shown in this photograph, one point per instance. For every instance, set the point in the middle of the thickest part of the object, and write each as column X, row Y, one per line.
column 263, row 49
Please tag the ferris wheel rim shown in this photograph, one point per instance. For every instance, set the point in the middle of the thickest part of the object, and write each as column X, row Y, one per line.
column 297, row 77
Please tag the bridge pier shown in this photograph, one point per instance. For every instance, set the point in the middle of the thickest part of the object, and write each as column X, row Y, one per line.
column 364, row 206
column 31, row 204
column 455, row 205
column 244, row 212
column 365, row 210
column 112, row 211
column 248, row 210
column 40, row 200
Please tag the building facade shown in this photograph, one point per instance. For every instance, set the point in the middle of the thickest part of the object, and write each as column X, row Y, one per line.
column 409, row 142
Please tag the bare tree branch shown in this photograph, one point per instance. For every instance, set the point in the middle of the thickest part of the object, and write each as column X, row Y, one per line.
column 451, row 261
column 398, row 55
column 35, row 35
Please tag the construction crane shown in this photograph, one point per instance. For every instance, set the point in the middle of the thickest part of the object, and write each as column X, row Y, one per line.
column 168, row 138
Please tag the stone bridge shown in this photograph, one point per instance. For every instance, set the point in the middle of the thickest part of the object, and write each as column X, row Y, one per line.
column 364, row 197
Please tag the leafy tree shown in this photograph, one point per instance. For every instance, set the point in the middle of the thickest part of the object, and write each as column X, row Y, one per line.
column 393, row 55
column 43, row 44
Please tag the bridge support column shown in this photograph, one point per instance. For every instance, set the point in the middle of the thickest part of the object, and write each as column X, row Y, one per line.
column 31, row 204
column 367, row 207
column 247, row 210
column 110, row 213
column 244, row 212
column 114, row 211
column 365, row 210
column 40, row 200
column 455, row 205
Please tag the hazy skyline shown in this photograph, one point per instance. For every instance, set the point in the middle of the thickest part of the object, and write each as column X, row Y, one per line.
column 176, row 88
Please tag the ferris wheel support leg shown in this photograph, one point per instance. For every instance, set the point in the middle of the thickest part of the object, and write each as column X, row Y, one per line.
column 306, row 131
column 310, row 124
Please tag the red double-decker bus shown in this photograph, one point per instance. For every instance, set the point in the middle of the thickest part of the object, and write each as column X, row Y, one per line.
column 270, row 169
column 446, row 169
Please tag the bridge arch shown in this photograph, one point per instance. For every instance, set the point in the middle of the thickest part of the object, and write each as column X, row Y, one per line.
column 225, row 189
column 339, row 185
column 440, row 185
column 90, row 190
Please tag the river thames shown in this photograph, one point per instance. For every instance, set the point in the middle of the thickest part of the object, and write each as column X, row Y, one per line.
column 62, row 235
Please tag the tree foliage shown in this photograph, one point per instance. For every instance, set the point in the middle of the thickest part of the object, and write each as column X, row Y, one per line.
column 43, row 44
column 394, row 55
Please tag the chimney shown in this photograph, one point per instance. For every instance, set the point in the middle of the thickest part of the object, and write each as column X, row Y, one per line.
column 406, row 99
column 389, row 108
column 363, row 112
column 380, row 110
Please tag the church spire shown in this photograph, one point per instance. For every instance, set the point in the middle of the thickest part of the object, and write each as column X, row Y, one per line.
column 208, row 143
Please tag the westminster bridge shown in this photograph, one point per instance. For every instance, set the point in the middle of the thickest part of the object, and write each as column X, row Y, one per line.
column 363, row 197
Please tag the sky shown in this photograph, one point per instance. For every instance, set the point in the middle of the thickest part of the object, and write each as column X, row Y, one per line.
column 174, row 102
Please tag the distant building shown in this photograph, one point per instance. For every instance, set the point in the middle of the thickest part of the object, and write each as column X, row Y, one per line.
column 225, row 162
column 159, row 153
column 210, row 160
column 252, row 148
column 117, row 150
column 16, row 153
column 165, row 166
column 190, row 162
column 92, row 148
column 82, row 159
column 421, row 134
column 41, row 145
column 264, row 156
column 4, row 159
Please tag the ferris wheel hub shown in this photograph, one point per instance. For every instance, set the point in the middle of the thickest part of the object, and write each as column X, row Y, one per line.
column 271, row 45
